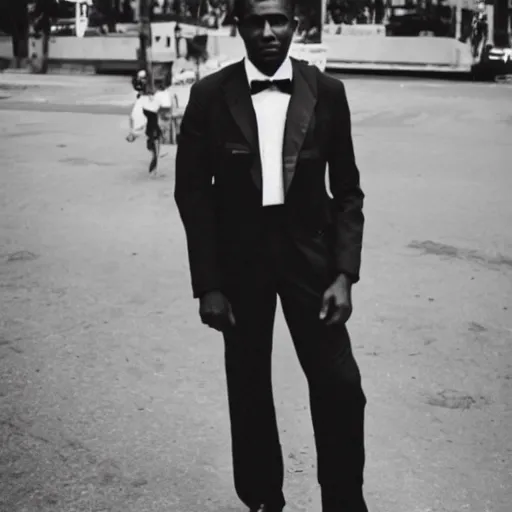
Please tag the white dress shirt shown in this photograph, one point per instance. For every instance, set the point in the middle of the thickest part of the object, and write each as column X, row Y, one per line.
column 271, row 107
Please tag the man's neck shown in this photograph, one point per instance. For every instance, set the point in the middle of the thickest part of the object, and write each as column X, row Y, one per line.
column 268, row 71
column 283, row 71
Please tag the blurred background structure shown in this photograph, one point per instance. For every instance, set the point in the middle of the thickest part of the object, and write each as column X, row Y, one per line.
column 443, row 31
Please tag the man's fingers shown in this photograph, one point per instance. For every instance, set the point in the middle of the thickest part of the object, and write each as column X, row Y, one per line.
column 231, row 318
column 340, row 315
column 324, row 310
column 335, row 317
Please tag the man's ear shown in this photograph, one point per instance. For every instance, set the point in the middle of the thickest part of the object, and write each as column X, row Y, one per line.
column 238, row 24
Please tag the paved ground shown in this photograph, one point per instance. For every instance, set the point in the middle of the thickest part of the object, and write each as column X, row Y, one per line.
column 112, row 395
column 90, row 94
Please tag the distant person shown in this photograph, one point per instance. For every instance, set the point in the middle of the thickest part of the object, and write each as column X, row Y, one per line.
column 145, row 115
column 379, row 11
column 255, row 142
column 130, row 10
column 479, row 30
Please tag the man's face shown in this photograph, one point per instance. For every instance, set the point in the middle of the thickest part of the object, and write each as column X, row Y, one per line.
column 267, row 29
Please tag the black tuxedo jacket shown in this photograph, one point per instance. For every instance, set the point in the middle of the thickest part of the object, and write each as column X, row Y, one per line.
column 218, row 187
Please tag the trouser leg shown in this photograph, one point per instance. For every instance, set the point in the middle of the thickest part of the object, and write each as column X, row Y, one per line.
column 336, row 396
column 257, row 457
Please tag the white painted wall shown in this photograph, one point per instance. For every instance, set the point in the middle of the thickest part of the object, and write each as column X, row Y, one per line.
column 355, row 49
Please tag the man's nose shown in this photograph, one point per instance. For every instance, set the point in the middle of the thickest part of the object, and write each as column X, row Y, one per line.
column 267, row 30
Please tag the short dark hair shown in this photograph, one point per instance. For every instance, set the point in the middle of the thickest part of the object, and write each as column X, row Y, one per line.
column 240, row 6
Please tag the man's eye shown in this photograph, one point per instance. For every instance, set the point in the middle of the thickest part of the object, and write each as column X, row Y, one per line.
column 254, row 22
column 277, row 20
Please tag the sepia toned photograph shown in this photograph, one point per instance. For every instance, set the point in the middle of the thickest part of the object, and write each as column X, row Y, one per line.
column 255, row 256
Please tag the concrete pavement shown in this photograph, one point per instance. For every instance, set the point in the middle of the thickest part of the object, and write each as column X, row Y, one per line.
column 113, row 92
column 112, row 394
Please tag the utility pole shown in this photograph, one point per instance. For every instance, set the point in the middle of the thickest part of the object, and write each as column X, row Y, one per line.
column 458, row 20
column 145, row 39
column 323, row 15
column 42, row 12
column 490, row 11
column 501, row 23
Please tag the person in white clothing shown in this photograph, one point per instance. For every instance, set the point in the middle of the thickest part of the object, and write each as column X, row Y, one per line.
column 145, row 114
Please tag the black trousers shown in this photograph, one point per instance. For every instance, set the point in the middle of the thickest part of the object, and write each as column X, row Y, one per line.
column 153, row 131
column 299, row 276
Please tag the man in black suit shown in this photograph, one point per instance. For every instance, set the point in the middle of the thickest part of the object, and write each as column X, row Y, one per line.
column 255, row 142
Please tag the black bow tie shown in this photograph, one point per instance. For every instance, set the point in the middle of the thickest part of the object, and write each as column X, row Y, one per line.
column 284, row 85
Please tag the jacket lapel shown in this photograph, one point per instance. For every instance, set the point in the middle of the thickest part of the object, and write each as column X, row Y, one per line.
column 238, row 98
column 299, row 114
column 300, row 111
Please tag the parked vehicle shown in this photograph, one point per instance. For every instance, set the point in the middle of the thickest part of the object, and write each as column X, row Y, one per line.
column 494, row 61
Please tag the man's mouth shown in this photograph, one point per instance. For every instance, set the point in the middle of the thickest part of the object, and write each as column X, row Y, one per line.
column 270, row 49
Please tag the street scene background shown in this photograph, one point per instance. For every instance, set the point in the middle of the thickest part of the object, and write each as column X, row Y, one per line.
column 112, row 393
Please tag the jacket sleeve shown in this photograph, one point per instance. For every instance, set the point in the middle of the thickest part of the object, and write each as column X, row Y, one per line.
column 345, row 188
column 194, row 195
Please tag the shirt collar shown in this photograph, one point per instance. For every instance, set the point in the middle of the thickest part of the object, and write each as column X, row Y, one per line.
column 285, row 71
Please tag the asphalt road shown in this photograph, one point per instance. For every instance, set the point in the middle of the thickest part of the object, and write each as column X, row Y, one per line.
column 112, row 394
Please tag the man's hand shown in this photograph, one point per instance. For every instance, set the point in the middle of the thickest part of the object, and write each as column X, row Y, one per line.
column 337, row 302
column 215, row 311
